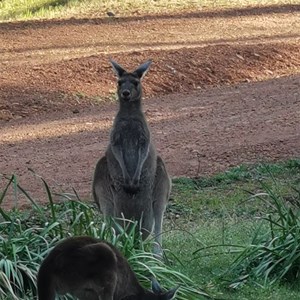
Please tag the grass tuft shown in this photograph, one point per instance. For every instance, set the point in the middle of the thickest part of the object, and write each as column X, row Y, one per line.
column 274, row 253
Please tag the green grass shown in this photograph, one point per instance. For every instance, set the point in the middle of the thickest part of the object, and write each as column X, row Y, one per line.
column 36, row 9
column 218, row 234
column 232, row 208
column 228, row 194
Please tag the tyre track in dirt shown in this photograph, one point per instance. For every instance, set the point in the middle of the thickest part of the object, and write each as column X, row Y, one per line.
column 37, row 42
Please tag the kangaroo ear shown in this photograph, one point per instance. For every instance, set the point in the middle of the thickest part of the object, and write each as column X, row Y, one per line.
column 171, row 293
column 155, row 286
column 119, row 71
column 142, row 70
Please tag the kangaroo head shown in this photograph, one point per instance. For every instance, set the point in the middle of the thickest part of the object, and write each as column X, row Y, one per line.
column 159, row 294
column 129, row 84
column 156, row 294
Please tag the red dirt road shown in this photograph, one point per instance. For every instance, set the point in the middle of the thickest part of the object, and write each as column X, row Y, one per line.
column 215, row 98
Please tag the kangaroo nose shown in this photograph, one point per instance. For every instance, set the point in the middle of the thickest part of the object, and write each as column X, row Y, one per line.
column 126, row 93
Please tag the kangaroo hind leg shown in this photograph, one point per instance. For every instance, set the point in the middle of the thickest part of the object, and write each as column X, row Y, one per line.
column 161, row 194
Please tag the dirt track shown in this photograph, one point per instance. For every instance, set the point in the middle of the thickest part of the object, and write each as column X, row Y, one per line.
column 55, row 75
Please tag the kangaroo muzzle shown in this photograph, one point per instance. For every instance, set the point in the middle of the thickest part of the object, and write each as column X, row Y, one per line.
column 126, row 94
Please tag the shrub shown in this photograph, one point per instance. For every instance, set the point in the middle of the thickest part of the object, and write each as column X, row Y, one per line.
column 274, row 253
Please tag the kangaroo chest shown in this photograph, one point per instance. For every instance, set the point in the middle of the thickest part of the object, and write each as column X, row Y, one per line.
column 131, row 137
column 130, row 129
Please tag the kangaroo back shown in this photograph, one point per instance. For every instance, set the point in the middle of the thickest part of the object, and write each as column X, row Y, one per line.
column 82, row 266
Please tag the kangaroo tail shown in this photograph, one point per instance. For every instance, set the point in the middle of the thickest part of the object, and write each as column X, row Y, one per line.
column 45, row 283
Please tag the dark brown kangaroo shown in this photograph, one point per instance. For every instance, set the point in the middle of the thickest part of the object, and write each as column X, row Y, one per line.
column 90, row 269
column 131, row 180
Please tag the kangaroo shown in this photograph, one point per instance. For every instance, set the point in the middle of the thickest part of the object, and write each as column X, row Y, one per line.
column 130, row 137
column 90, row 269
column 131, row 180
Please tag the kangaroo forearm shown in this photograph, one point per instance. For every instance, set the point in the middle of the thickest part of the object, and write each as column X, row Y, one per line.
column 142, row 156
column 118, row 154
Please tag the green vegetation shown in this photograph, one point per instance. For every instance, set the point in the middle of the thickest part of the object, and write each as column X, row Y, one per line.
column 36, row 9
column 235, row 235
column 27, row 236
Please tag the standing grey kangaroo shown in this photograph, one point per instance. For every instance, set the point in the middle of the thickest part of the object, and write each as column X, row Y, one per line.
column 131, row 180
column 90, row 269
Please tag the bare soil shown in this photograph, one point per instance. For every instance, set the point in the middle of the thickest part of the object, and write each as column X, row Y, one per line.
column 224, row 89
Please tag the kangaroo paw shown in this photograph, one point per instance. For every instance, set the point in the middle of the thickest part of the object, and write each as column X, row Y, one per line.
column 131, row 187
